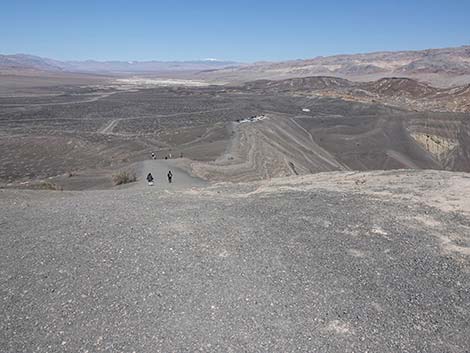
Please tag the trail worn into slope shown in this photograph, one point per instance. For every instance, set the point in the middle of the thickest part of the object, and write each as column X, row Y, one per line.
column 345, row 260
column 78, row 100
column 159, row 169
column 273, row 147
column 108, row 128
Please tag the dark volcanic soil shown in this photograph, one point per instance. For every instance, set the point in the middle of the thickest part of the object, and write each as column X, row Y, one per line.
column 99, row 129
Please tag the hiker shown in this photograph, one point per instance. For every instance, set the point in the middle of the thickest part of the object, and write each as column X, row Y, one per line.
column 170, row 176
column 153, row 155
column 150, row 178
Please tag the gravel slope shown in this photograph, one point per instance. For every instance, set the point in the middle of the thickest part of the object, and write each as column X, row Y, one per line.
column 335, row 262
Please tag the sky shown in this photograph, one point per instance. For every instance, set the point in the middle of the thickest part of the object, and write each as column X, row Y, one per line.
column 242, row 30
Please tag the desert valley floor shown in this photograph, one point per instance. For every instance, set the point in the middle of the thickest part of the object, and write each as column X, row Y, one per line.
column 278, row 233
column 78, row 135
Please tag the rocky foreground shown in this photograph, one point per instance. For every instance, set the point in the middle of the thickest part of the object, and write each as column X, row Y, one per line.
column 334, row 262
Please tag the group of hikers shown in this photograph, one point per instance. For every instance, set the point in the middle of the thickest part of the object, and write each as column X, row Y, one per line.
column 150, row 177
column 169, row 175
column 168, row 156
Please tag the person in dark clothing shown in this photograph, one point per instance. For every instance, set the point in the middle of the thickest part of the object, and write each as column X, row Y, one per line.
column 150, row 178
column 170, row 176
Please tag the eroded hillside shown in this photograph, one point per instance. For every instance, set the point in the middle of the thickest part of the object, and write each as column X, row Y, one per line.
column 282, row 144
column 397, row 91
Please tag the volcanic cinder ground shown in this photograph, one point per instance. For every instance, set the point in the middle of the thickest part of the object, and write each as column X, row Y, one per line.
column 333, row 262
column 276, row 234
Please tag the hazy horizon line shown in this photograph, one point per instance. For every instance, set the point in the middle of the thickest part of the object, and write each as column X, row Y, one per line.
column 210, row 59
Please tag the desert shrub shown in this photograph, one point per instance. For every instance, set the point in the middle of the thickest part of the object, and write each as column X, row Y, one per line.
column 47, row 185
column 124, row 178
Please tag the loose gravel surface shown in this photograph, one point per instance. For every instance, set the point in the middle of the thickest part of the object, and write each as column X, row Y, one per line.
column 235, row 268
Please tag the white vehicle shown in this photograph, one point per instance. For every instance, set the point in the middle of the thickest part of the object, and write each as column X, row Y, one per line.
column 252, row 119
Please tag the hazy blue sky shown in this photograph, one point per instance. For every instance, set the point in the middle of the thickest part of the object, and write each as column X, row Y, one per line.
column 238, row 30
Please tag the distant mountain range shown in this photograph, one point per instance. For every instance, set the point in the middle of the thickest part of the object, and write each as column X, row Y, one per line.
column 18, row 62
column 438, row 67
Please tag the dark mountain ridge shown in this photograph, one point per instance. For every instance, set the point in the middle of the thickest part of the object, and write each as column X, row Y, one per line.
column 398, row 91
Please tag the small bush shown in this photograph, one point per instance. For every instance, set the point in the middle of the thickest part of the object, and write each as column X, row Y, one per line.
column 47, row 185
column 124, row 178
